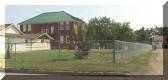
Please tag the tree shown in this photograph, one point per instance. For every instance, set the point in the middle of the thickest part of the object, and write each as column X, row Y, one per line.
column 8, row 47
column 142, row 35
column 104, row 28
column 82, row 50
column 123, row 32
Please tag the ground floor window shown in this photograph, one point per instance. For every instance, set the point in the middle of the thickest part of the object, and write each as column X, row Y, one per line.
column 61, row 39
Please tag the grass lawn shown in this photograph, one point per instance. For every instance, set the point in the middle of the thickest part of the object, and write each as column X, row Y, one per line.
column 2, row 61
column 101, row 61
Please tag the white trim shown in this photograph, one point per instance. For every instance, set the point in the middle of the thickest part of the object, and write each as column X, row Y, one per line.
column 14, row 28
column 24, row 28
column 29, row 27
column 52, row 29
column 61, row 39
column 46, row 35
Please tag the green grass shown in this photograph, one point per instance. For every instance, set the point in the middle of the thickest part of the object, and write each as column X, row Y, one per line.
column 101, row 61
column 2, row 61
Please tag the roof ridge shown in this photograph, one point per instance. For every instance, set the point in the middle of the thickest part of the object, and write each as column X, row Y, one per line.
column 45, row 17
column 53, row 12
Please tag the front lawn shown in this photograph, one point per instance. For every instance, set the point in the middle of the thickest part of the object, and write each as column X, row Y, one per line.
column 100, row 61
column 2, row 61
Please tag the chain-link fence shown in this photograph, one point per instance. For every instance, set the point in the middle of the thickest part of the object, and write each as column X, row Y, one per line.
column 125, row 50
column 113, row 50
column 103, row 55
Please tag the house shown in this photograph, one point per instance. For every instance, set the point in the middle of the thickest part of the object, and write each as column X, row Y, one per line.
column 59, row 25
column 2, row 39
column 16, row 40
column 157, row 41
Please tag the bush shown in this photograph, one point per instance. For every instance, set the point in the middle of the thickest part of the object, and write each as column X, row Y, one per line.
column 82, row 51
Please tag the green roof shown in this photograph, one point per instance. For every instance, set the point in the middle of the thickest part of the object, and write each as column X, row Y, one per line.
column 51, row 17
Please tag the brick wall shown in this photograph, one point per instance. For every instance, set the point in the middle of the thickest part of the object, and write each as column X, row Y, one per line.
column 36, row 28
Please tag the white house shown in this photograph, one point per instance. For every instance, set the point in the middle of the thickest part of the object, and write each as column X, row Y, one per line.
column 157, row 41
column 2, row 39
column 18, row 41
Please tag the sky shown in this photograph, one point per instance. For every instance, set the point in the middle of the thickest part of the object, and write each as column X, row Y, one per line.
column 138, row 13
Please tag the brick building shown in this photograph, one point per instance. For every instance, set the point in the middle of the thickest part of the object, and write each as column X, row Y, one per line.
column 59, row 25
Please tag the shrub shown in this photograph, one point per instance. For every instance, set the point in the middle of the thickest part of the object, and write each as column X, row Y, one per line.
column 82, row 51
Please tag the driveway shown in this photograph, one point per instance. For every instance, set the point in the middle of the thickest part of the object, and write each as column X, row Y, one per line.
column 156, row 63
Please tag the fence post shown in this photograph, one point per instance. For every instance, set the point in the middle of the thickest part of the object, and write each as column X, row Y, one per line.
column 15, row 51
column 114, row 56
column 59, row 43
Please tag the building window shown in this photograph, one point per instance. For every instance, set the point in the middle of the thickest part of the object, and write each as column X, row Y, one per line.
column 29, row 27
column 67, row 39
column 26, row 41
column 67, row 26
column 67, row 23
column 52, row 29
column 24, row 28
column 44, row 30
column 61, row 26
column 75, row 28
column 61, row 39
column 42, row 41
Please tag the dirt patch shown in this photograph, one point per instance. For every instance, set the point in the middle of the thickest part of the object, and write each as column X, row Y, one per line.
column 155, row 63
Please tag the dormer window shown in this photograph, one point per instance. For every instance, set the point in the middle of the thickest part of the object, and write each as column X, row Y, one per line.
column 29, row 27
column 24, row 28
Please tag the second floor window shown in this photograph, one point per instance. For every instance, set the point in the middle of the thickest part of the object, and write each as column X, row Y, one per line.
column 29, row 27
column 44, row 30
column 61, row 26
column 67, row 27
column 24, row 28
column 52, row 29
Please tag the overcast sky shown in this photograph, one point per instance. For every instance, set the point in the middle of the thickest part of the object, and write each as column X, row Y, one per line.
column 138, row 13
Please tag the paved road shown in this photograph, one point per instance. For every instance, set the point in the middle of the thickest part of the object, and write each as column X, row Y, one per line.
column 156, row 63
column 67, row 77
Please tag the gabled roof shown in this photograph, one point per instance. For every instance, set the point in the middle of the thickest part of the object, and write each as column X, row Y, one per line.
column 4, row 26
column 51, row 17
column 28, row 36
column 7, row 26
column 22, row 35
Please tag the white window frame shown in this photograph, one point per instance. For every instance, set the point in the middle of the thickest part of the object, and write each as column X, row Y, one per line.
column 61, row 39
column 44, row 30
column 67, row 27
column 29, row 27
column 61, row 25
column 75, row 28
column 24, row 28
column 52, row 29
